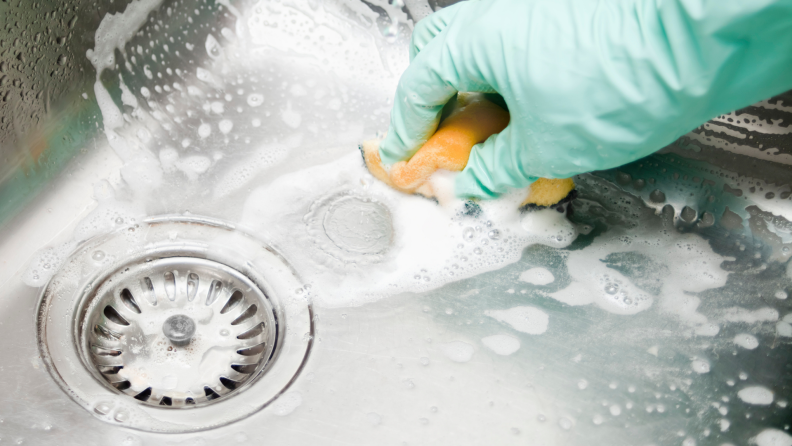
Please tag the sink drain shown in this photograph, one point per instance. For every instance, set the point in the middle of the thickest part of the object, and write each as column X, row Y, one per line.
column 179, row 331
column 194, row 316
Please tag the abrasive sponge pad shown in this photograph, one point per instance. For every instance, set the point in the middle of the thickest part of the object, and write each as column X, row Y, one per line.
column 471, row 120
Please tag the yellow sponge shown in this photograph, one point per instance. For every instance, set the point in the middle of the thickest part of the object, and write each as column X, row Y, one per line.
column 472, row 120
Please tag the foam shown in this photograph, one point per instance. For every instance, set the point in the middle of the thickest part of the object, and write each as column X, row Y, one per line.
column 756, row 395
column 746, row 341
column 526, row 319
column 739, row 314
column 772, row 437
column 687, row 262
column 432, row 245
column 458, row 351
column 503, row 345
column 700, row 366
column 537, row 276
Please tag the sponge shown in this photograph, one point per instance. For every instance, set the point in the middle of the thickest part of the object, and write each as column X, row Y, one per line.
column 471, row 120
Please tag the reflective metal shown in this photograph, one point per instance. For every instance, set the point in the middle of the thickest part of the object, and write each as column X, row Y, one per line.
column 285, row 85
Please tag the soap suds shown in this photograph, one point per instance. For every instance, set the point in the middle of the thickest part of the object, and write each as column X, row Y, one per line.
column 772, row 437
column 503, row 345
column 756, row 395
column 700, row 366
column 431, row 245
column 685, row 263
column 537, row 276
column 529, row 320
column 458, row 351
column 739, row 314
column 746, row 341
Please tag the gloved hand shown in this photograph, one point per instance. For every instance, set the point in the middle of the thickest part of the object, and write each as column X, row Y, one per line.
column 589, row 84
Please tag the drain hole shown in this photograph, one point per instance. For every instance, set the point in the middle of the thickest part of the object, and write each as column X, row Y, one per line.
column 229, row 384
column 249, row 313
column 214, row 291
column 166, row 401
column 112, row 314
column 101, row 351
column 152, row 296
column 110, row 370
column 210, row 394
column 189, row 401
column 123, row 385
column 144, row 395
column 170, row 285
column 252, row 351
column 129, row 301
column 253, row 332
column 244, row 368
column 106, row 333
column 192, row 286
column 233, row 301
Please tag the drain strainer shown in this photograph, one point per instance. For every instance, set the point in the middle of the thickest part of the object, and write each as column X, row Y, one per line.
column 194, row 326
column 160, row 322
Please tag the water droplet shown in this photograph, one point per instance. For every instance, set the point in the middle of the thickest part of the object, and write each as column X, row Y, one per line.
column 102, row 408
column 478, row 251
column 98, row 255
column 612, row 288
column 255, row 99
column 468, row 233
column 494, row 234
column 224, row 332
column 121, row 416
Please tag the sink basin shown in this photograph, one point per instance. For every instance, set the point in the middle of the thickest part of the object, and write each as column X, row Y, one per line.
column 210, row 147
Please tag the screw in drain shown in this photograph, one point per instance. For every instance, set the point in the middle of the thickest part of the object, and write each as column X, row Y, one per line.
column 179, row 329
column 195, row 321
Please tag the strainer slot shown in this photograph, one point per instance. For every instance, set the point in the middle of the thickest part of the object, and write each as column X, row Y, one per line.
column 106, row 333
column 144, row 395
column 244, row 368
column 123, row 385
column 101, row 351
column 228, row 383
column 166, row 401
column 150, row 294
column 233, row 301
column 110, row 370
column 113, row 315
column 129, row 301
column 253, row 351
column 170, row 285
column 247, row 314
column 210, row 394
column 253, row 332
column 214, row 292
column 192, row 285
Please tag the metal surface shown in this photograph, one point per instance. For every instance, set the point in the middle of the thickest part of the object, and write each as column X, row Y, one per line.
column 225, row 97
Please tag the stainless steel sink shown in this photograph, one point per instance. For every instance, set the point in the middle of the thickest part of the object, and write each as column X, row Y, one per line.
column 139, row 135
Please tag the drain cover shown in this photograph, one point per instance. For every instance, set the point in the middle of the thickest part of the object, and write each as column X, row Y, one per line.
column 194, row 315
column 163, row 321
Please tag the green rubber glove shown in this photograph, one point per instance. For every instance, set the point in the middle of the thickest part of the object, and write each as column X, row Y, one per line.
column 590, row 84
